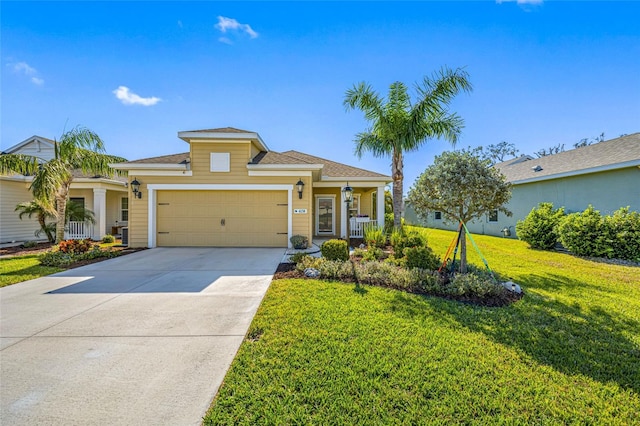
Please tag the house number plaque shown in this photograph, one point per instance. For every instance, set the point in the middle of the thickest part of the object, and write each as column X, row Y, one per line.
column 300, row 211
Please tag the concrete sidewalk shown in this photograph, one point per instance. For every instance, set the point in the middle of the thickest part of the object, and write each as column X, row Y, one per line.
column 142, row 339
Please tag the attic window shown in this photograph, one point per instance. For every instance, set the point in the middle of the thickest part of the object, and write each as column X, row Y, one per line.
column 220, row 162
column 536, row 168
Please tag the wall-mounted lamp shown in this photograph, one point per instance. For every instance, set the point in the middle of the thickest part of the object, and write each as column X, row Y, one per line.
column 506, row 231
column 347, row 196
column 135, row 188
column 300, row 186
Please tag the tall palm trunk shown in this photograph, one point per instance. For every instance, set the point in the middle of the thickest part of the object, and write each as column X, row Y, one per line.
column 61, row 205
column 42, row 221
column 398, row 183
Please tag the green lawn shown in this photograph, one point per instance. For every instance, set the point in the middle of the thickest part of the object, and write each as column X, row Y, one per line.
column 17, row 269
column 333, row 353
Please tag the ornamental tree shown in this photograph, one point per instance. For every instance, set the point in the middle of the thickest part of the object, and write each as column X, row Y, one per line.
column 463, row 187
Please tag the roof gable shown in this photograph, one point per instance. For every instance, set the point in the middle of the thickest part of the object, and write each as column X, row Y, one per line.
column 36, row 146
column 608, row 155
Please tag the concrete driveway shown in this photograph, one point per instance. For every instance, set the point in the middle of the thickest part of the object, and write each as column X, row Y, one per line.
column 142, row 339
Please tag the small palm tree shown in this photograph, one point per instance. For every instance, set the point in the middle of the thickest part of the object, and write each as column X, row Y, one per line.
column 42, row 213
column 398, row 125
column 77, row 149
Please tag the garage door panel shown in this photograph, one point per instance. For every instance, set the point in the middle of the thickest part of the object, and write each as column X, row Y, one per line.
column 222, row 218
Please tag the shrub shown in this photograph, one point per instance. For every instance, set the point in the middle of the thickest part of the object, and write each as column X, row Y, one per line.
column 75, row 246
column 336, row 270
column 404, row 239
column 584, row 234
column 309, row 262
column 472, row 284
column 383, row 274
column 29, row 244
column 298, row 257
column 299, row 242
column 335, row 250
column 373, row 253
column 57, row 259
column 623, row 229
column 94, row 253
column 397, row 261
column 374, row 236
column 108, row 239
column 538, row 229
column 421, row 257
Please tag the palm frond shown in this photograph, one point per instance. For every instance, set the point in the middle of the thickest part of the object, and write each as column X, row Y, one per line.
column 370, row 142
column 49, row 179
column 18, row 163
column 364, row 98
column 79, row 138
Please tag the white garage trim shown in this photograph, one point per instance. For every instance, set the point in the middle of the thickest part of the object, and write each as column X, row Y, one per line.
column 153, row 187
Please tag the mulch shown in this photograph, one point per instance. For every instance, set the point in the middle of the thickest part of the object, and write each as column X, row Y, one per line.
column 14, row 251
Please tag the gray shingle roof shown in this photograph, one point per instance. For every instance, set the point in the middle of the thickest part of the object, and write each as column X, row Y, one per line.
column 333, row 168
column 221, row 130
column 164, row 159
column 588, row 159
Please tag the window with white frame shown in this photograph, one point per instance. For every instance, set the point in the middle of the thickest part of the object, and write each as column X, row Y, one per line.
column 124, row 209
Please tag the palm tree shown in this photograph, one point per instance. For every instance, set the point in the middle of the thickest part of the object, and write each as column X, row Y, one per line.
column 398, row 125
column 78, row 149
column 42, row 212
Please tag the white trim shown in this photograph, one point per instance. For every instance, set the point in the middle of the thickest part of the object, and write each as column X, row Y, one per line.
column 153, row 187
column 148, row 166
column 355, row 178
column 279, row 173
column 162, row 173
column 380, row 207
column 355, row 183
column 608, row 167
column 333, row 213
column 26, row 142
column 285, row 166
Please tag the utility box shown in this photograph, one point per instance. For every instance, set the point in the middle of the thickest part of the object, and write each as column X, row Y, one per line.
column 125, row 236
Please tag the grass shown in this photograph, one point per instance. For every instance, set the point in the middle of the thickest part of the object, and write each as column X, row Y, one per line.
column 22, row 268
column 332, row 353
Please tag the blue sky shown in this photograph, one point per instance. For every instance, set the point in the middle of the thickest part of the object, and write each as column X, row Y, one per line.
column 138, row 72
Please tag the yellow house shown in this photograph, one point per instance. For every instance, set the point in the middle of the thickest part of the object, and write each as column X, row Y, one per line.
column 230, row 190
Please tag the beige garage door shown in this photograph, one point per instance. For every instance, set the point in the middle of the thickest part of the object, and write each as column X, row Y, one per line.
column 221, row 218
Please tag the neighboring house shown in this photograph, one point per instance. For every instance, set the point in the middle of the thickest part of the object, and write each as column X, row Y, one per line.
column 107, row 198
column 231, row 190
column 605, row 175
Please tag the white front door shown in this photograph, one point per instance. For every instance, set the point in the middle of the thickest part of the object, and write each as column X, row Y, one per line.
column 325, row 215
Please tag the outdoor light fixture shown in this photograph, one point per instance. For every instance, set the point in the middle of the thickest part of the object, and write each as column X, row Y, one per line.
column 300, row 186
column 347, row 196
column 506, row 231
column 135, row 188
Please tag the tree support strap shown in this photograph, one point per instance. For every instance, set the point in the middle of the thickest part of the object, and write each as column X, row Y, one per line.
column 479, row 253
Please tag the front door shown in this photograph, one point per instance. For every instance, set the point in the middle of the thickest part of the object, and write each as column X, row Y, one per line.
column 325, row 216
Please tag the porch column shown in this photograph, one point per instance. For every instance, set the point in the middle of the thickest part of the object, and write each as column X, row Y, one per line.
column 380, row 206
column 100, row 211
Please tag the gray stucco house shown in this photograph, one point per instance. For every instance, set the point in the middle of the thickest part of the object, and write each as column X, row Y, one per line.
column 605, row 175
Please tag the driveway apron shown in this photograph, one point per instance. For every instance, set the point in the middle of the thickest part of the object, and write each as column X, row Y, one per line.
column 145, row 338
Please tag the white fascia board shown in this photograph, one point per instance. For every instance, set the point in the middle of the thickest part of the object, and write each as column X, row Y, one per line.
column 352, row 183
column 147, row 166
column 365, row 179
column 279, row 173
column 17, row 178
column 120, row 186
column 598, row 169
column 219, row 186
column 285, row 166
column 194, row 136
column 99, row 180
column 161, row 172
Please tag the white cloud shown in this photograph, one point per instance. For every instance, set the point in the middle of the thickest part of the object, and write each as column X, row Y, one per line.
column 231, row 25
column 25, row 69
column 129, row 98
column 225, row 40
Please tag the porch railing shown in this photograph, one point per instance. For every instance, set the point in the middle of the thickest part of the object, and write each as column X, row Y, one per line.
column 78, row 231
column 357, row 225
